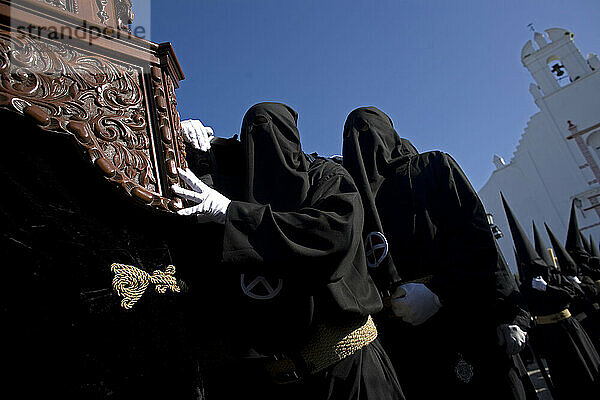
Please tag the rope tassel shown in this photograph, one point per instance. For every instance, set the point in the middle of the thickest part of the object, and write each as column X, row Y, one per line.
column 131, row 282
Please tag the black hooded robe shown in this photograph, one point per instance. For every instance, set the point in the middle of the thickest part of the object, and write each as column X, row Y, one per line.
column 296, row 232
column 437, row 230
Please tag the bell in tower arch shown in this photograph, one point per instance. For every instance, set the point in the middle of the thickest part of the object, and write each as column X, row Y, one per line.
column 558, row 69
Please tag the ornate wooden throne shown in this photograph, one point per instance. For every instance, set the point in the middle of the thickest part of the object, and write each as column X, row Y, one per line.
column 91, row 142
column 74, row 67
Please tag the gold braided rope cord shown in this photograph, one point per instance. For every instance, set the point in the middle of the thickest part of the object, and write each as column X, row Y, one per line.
column 131, row 282
column 332, row 343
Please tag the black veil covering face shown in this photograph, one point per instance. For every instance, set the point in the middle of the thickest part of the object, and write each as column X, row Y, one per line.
column 274, row 157
column 297, row 223
column 293, row 242
column 438, row 235
column 371, row 150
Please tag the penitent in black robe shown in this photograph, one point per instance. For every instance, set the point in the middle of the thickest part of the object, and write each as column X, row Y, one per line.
column 438, row 233
column 293, row 243
column 574, row 259
column 567, row 349
column 572, row 359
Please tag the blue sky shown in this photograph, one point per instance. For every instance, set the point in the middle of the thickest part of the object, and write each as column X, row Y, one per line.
column 447, row 72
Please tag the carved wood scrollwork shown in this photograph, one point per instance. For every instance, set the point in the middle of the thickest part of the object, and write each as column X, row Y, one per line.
column 102, row 14
column 98, row 101
column 66, row 5
column 170, row 130
column 179, row 142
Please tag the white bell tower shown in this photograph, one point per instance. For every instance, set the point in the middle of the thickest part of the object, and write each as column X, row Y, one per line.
column 556, row 63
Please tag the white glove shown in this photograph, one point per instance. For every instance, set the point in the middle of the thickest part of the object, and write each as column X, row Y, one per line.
column 513, row 336
column 415, row 303
column 196, row 134
column 574, row 279
column 212, row 205
column 539, row 284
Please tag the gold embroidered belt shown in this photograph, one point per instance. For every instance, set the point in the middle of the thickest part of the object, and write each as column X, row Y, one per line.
column 328, row 345
column 552, row 318
column 331, row 344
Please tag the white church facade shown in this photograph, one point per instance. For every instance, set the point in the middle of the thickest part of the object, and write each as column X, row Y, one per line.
column 558, row 157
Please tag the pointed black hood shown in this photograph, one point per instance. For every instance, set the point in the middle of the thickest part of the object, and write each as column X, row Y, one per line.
column 567, row 265
column 574, row 244
column 530, row 263
column 519, row 269
column 586, row 244
column 594, row 248
column 540, row 247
